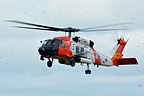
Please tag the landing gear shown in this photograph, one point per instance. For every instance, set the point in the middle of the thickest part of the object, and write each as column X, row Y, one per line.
column 42, row 58
column 87, row 71
column 72, row 63
column 49, row 63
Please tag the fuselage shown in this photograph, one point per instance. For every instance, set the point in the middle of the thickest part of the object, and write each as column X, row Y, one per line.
column 75, row 48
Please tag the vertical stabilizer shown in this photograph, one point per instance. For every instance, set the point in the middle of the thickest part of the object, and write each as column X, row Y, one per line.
column 118, row 54
column 117, row 57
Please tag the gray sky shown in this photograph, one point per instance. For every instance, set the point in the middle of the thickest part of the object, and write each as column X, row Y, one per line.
column 21, row 71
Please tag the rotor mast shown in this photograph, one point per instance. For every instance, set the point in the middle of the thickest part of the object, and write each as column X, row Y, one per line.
column 69, row 33
column 70, row 30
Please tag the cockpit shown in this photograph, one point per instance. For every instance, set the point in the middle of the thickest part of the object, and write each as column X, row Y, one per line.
column 51, row 42
column 49, row 47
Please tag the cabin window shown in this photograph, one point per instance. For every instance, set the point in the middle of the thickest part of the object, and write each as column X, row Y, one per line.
column 77, row 49
column 82, row 49
column 73, row 46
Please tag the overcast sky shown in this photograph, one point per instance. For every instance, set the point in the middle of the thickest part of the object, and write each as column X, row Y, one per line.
column 21, row 71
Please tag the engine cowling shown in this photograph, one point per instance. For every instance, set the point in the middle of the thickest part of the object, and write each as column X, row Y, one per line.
column 83, row 41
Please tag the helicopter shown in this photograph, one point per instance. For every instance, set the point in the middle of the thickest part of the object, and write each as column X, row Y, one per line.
column 69, row 50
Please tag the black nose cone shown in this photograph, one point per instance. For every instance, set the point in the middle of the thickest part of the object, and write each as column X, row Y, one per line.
column 47, row 51
column 41, row 50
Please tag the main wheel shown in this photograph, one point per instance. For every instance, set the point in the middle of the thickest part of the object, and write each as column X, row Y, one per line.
column 49, row 64
column 87, row 71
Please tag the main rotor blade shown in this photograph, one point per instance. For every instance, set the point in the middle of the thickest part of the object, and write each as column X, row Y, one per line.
column 69, row 29
column 37, row 25
column 118, row 24
column 33, row 28
column 84, row 30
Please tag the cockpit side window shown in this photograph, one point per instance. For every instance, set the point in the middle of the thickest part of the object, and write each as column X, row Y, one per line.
column 55, row 42
column 44, row 43
column 51, row 42
column 62, row 45
column 47, row 42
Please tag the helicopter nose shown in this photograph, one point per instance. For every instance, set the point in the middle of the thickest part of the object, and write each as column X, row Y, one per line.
column 41, row 50
column 48, row 50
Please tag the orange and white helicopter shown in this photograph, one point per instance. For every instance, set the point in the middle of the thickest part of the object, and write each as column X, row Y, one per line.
column 70, row 50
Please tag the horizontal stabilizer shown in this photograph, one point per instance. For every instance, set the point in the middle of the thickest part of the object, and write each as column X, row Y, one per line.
column 127, row 61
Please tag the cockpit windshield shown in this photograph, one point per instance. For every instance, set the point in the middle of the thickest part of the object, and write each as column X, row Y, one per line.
column 51, row 42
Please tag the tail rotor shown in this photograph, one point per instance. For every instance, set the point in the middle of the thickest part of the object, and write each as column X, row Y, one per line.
column 116, row 38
